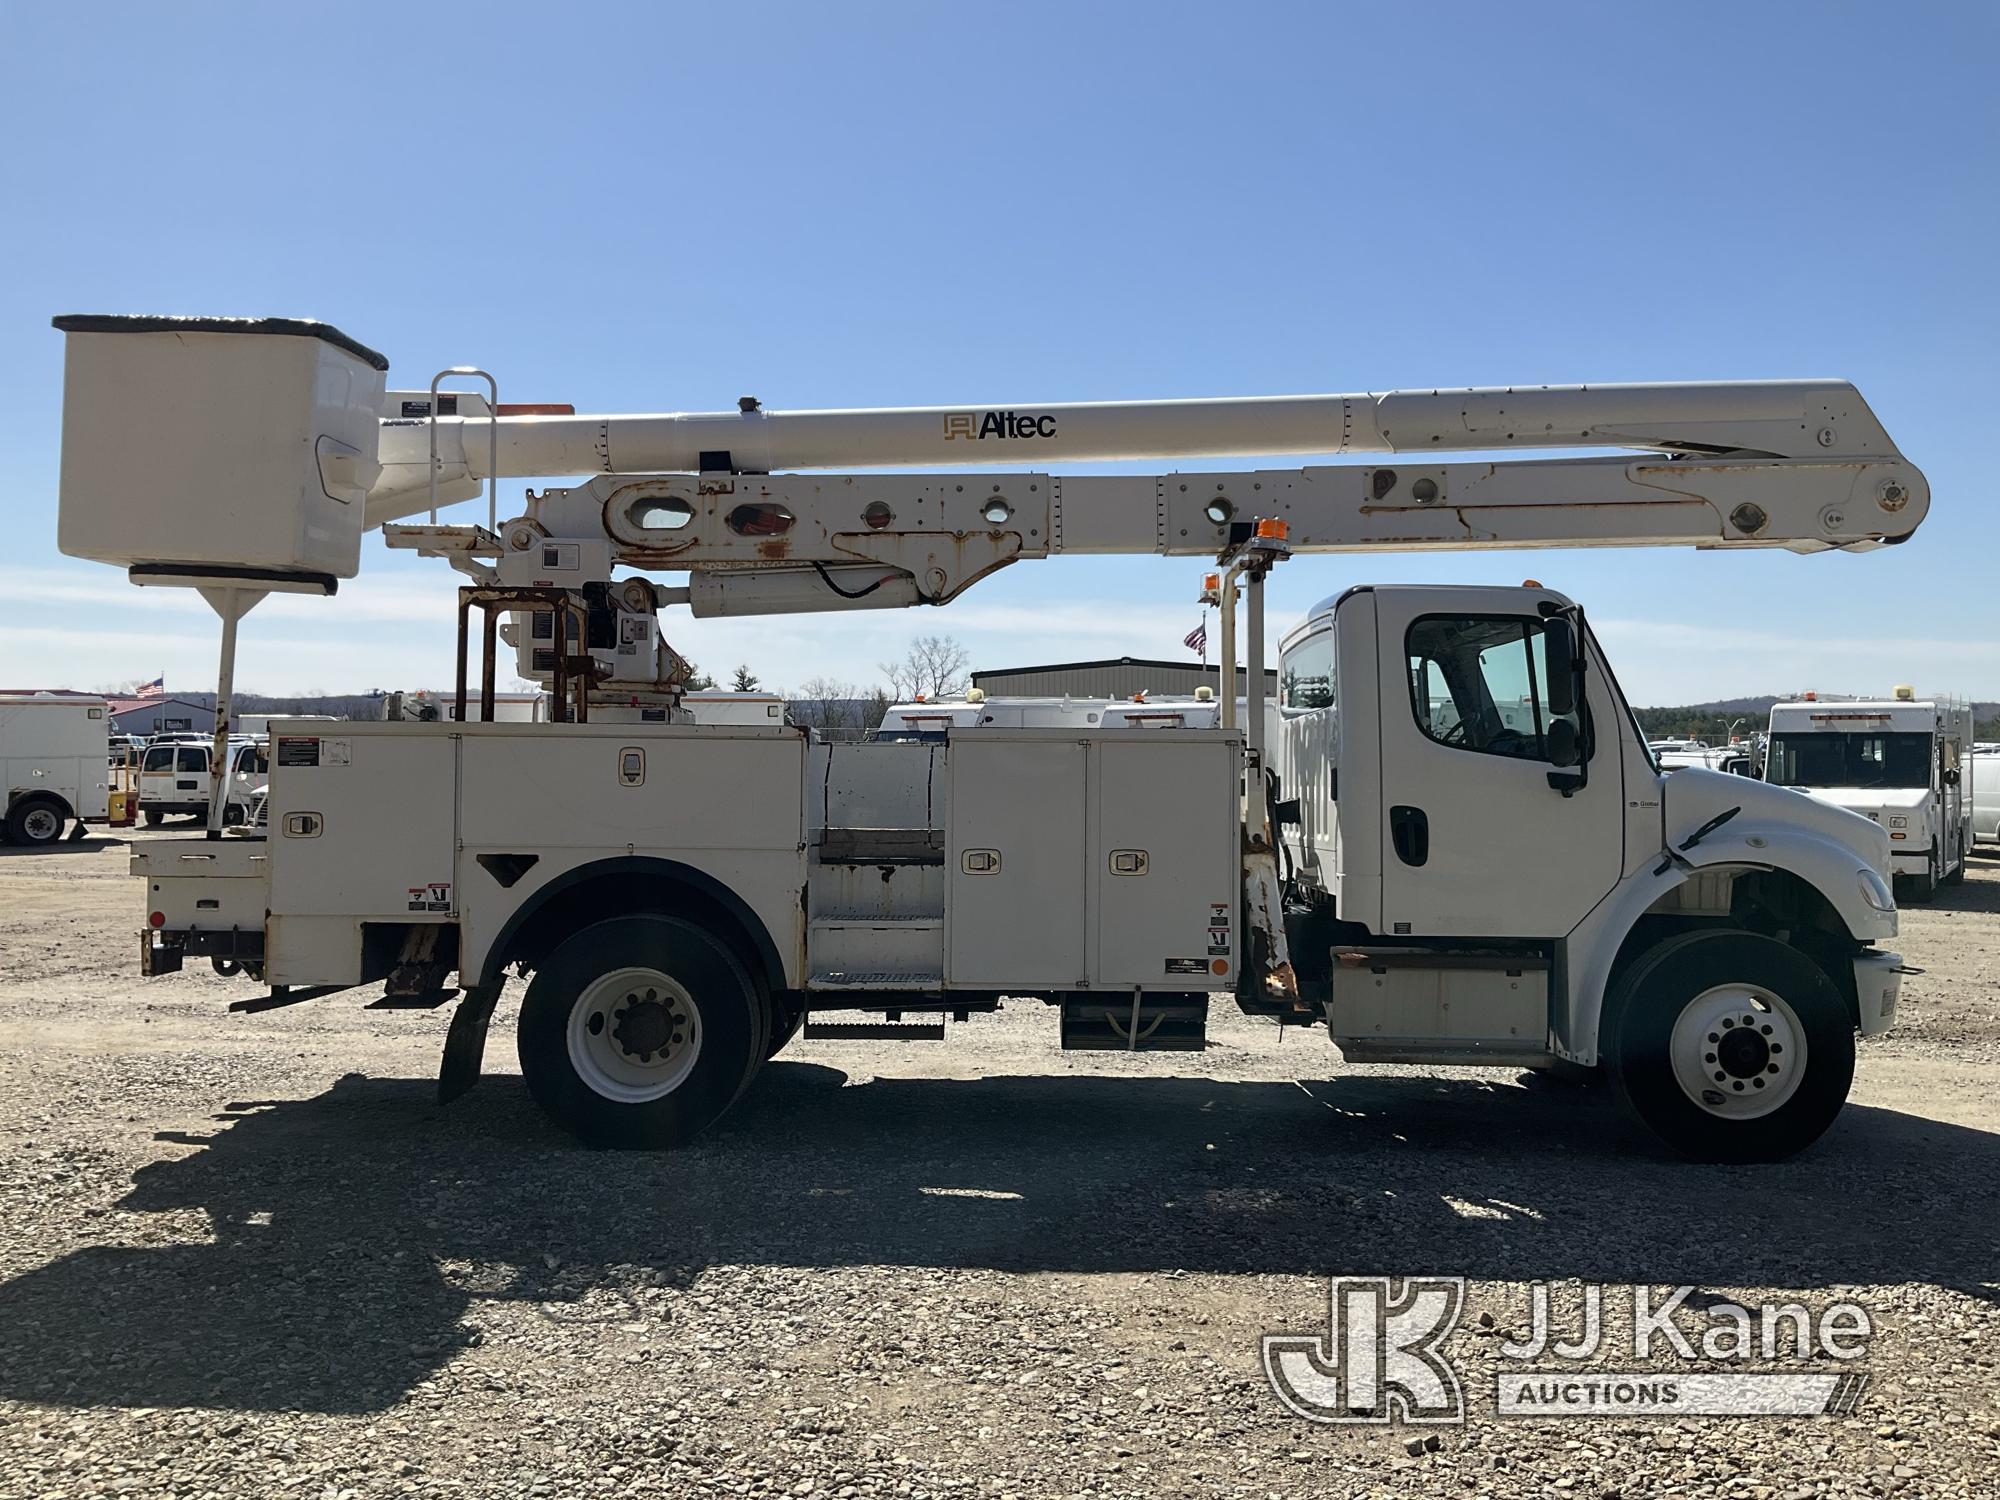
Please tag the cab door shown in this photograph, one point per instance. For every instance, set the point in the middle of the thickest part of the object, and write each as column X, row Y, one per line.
column 1493, row 823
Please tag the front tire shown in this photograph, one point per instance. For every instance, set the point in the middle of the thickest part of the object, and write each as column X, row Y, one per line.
column 639, row 1031
column 35, row 822
column 154, row 817
column 1729, row 1046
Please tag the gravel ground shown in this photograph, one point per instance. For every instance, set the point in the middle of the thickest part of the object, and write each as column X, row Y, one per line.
column 249, row 1255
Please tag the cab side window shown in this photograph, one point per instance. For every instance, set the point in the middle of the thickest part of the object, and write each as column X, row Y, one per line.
column 1305, row 677
column 1480, row 683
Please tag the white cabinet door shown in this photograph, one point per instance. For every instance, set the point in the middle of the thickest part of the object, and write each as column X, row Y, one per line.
column 1015, row 863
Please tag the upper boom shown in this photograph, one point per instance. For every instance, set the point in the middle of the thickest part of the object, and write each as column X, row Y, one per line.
column 245, row 451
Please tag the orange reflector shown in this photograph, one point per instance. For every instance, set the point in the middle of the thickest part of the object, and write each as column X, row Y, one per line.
column 1211, row 580
column 534, row 409
column 1220, row 966
column 1531, row 583
column 1812, row 697
column 1273, row 531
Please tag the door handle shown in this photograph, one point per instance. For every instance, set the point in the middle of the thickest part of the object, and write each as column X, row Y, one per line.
column 1410, row 832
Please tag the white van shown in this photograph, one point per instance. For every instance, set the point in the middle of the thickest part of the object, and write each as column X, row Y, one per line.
column 173, row 780
column 55, row 761
column 1985, row 763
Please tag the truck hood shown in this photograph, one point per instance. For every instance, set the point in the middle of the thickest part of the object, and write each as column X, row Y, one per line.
column 1690, row 797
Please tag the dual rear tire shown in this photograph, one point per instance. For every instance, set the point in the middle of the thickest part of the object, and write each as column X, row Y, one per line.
column 640, row 1031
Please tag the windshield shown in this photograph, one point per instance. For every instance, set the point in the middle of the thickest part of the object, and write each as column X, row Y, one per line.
column 1862, row 758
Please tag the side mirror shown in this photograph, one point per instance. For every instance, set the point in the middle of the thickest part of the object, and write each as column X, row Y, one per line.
column 1951, row 778
column 1562, row 743
column 1559, row 643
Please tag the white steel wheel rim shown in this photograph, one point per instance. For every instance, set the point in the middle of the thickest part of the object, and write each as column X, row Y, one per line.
column 634, row 1035
column 1739, row 1051
column 41, row 824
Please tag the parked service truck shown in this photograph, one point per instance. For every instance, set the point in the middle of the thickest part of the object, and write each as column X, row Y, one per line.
column 1903, row 762
column 54, row 766
column 1456, row 849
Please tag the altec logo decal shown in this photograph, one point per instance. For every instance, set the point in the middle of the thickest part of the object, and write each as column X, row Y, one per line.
column 998, row 424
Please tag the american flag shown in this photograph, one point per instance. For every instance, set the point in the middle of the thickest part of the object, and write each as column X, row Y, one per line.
column 157, row 688
column 1197, row 639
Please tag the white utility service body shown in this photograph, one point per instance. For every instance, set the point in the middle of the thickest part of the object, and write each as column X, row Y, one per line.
column 55, row 755
column 1456, row 846
column 1903, row 762
column 839, row 861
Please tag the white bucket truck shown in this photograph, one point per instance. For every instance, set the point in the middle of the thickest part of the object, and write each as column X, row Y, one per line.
column 1460, row 852
column 1904, row 762
column 54, row 766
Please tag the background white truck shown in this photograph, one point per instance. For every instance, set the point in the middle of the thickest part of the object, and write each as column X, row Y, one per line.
column 174, row 779
column 54, row 766
column 1904, row 762
column 1460, row 851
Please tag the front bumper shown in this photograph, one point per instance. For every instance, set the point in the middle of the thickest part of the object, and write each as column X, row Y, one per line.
column 1878, row 979
column 1909, row 861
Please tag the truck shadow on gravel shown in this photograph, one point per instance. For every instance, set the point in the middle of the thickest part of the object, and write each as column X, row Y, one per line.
column 353, row 1231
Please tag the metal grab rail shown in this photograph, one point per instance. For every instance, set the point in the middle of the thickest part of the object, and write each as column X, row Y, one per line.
column 492, row 441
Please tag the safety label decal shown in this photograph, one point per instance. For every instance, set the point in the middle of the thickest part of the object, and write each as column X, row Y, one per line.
column 435, row 896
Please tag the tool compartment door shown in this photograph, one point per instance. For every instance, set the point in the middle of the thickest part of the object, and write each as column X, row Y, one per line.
column 361, row 822
column 1015, row 861
column 1164, row 873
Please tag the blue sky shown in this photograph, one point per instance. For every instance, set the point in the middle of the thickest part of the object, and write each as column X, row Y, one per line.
column 661, row 208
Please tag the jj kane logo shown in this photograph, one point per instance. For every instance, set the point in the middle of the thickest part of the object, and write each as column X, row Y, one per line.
column 1383, row 1358
column 976, row 426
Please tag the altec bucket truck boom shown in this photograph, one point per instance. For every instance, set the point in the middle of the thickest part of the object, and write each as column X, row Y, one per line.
column 1458, row 851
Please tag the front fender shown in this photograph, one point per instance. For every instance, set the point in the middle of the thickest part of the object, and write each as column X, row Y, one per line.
column 1831, row 867
column 1824, row 863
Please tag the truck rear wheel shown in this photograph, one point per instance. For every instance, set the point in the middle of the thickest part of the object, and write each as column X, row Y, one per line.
column 35, row 821
column 639, row 1031
column 1729, row 1046
column 154, row 817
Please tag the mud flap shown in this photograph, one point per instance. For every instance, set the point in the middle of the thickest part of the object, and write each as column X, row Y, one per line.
column 465, row 1042
column 1263, row 901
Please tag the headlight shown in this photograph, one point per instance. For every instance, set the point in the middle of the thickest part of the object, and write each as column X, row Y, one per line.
column 1875, row 890
column 1899, row 822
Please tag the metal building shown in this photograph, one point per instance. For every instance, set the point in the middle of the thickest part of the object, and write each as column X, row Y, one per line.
column 1119, row 678
column 156, row 715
